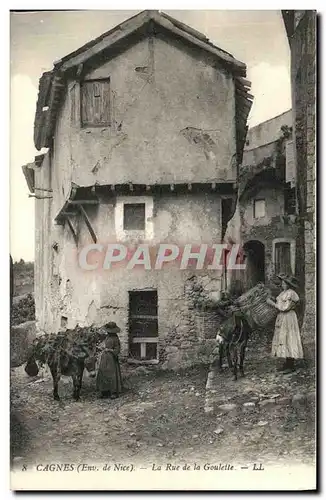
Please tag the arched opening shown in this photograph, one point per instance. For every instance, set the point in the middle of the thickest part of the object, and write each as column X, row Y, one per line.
column 255, row 263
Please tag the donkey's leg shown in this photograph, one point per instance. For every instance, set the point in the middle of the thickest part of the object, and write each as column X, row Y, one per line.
column 242, row 357
column 228, row 354
column 77, row 378
column 54, row 369
column 221, row 351
column 235, row 361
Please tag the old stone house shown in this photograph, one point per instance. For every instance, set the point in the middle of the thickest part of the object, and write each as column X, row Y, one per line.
column 301, row 26
column 267, row 200
column 265, row 220
column 145, row 128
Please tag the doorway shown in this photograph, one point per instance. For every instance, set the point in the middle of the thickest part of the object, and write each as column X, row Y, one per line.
column 143, row 325
column 255, row 263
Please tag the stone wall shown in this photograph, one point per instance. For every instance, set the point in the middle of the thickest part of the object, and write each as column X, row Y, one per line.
column 73, row 296
column 303, row 75
column 173, row 123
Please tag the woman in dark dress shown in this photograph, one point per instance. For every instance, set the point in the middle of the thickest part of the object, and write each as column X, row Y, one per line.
column 108, row 381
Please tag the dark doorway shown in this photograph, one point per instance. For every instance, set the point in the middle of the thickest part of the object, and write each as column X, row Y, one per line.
column 143, row 327
column 227, row 212
column 255, row 263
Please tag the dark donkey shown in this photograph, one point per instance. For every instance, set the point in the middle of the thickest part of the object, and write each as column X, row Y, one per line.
column 232, row 338
column 65, row 354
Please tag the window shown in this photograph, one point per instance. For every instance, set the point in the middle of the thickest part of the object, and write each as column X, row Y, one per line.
column 290, row 166
column 95, row 103
column 134, row 216
column 143, row 327
column 289, row 199
column 259, row 209
column 283, row 258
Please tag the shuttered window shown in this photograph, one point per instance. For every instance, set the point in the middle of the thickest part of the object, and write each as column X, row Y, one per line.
column 283, row 258
column 95, row 103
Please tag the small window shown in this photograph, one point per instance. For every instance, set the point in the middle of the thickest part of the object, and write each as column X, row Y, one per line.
column 259, row 209
column 289, row 200
column 283, row 258
column 134, row 216
column 95, row 103
column 64, row 321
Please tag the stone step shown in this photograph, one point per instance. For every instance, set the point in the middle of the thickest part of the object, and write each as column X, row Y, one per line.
column 215, row 403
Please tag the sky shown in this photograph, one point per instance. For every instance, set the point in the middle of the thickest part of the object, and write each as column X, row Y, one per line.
column 38, row 39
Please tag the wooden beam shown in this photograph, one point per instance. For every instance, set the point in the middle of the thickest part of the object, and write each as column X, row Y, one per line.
column 88, row 223
column 147, row 340
column 83, row 202
column 245, row 103
column 68, row 213
column 244, row 94
column 73, row 193
column 244, row 82
column 72, row 230
column 79, row 70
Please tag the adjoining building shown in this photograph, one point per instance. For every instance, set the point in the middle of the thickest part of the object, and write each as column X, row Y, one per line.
column 265, row 221
column 301, row 30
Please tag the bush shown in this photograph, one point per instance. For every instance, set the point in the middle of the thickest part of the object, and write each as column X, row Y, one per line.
column 23, row 311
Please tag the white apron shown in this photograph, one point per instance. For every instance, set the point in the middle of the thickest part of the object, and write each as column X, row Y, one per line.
column 287, row 341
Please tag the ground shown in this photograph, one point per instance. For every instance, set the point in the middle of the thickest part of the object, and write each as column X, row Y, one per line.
column 160, row 418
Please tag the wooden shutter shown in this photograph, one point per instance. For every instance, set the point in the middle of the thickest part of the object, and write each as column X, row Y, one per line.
column 290, row 169
column 283, row 258
column 95, row 103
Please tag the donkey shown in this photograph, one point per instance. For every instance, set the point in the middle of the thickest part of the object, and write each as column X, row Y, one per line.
column 64, row 356
column 232, row 339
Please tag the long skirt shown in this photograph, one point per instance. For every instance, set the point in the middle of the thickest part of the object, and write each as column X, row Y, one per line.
column 287, row 341
column 109, row 375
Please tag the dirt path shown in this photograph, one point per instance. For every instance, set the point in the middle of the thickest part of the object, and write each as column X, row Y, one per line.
column 160, row 418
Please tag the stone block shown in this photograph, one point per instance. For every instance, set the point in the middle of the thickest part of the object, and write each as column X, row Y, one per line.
column 248, row 407
column 285, row 400
column 311, row 397
column 21, row 339
column 299, row 399
column 228, row 407
column 267, row 403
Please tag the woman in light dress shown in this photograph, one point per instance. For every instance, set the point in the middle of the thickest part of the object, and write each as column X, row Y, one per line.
column 286, row 342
